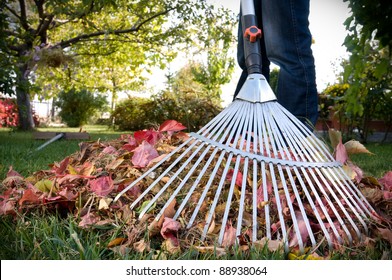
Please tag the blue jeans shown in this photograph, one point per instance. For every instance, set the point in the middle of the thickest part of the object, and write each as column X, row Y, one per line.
column 286, row 41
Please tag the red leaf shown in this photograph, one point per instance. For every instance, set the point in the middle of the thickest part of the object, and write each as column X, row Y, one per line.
column 229, row 237
column 7, row 207
column 29, row 196
column 387, row 181
column 143, row 155
column 302, row 230
column 102, row 186
column 151, row 136
column 169, row 230
column 171, row 126
column 358, row 172
column 110, row 150
column 238, row 179
column 260, row 192
column 341, row 153
column 387, row 195
column 60, row 169
column 13, row 173
column 131, row 145
column 68, row 194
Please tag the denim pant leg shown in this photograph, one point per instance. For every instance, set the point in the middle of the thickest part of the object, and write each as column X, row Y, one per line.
column 288, row 44
column 286, row 41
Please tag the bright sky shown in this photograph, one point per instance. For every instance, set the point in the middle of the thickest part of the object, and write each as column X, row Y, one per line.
column 326, row 24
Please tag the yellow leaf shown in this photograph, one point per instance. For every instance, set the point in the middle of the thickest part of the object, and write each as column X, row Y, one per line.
column 44, row 185
column 296, row 255
column 72, row 170
column 349, row 171
column 116, row 242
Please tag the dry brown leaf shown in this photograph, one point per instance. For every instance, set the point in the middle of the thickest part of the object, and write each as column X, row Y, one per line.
column 386, row 234
column 115, row 164
column 104, row 203
column 229, row 237
column 141, row 246
column 211, row 249
column 355, row 147
column 272, row 245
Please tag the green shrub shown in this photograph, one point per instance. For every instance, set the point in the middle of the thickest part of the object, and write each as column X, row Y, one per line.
column 78, row 107
column 135, row 113
column 189, row 109
column 138, row 113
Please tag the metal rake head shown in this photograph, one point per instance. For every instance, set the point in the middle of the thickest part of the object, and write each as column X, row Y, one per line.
column 258, row 169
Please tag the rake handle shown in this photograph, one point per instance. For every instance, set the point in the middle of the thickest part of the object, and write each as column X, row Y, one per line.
column 252, row 35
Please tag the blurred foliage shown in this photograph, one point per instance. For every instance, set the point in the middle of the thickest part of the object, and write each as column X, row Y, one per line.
column 377, row 106
column 369, row 41
column 78, row 107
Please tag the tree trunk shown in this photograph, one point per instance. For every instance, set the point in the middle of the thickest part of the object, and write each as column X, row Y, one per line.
column 26, row 121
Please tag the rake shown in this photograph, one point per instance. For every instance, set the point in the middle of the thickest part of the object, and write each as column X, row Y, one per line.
column 259, row 168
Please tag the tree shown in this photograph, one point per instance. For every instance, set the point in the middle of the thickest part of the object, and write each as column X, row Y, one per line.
column 52, row 33
column 369, row 40
column 218, row 66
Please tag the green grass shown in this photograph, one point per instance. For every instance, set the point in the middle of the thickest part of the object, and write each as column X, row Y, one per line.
column 18, row 149
column 49, row 236
column 375, row 165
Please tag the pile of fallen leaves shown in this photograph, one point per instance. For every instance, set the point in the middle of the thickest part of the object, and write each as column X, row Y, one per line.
column 85, row 183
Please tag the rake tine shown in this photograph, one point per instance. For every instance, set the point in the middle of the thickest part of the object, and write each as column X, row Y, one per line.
column 346, row 200
column 174, row 177
column 221, row 183
column 356, row 193
column 206, row 188
column 222, row 119
column 254, row 178
column 183, row 182
column 144, row 175
column 266, row 207
column 267, row 114
column 231, row 190
column 262, row 130
column 228, row 202
column 281, row 147
column 232, row 124
column 195, row 184
column 254, row 202
column 245, row 173
column 216, row 198
column 338, row 187
column 178, row 189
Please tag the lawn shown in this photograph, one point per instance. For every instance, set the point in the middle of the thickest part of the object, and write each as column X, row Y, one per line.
column 18, row 149
column 44, row 236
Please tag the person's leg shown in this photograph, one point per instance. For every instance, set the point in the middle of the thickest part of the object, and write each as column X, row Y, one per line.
column 288, row 44
column 240, row 50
